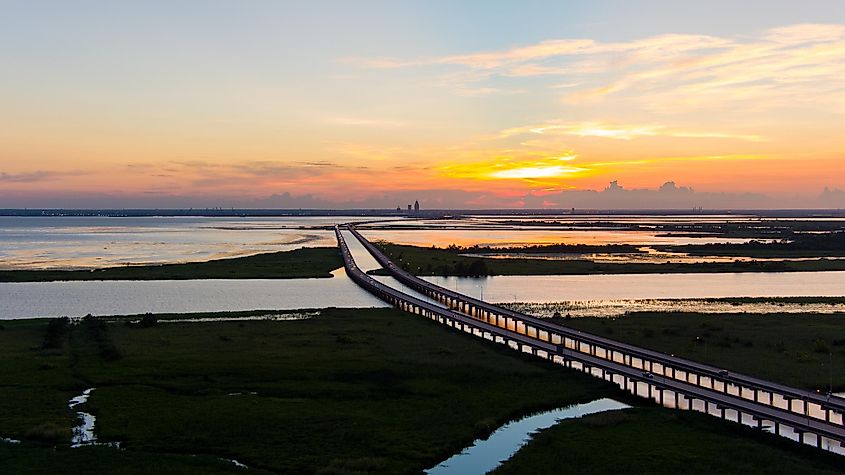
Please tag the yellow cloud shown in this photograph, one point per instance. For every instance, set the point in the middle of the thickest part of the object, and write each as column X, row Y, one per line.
column 620, row 132
column 506, row 167
column 537, row 172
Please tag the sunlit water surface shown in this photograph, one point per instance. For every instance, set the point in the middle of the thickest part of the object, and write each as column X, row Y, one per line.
column 586, row 295
column 487, row 454
column 616, row 308
column 506, row 237
column 51, row 299
column 86, row 242
column 557, row 288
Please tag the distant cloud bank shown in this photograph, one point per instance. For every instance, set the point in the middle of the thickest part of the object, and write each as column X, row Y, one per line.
column 614, row 196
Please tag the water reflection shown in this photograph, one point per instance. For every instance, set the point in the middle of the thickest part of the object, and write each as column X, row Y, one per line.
column 557, row 288
column 584, row 295
column 616, row 308
column 648, row 256
column 83, row 434
column 86, row 242
column 510, row 236
column 52, row 299
column 485, row 455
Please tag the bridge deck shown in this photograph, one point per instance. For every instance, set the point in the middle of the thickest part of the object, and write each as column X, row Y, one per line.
column 830, row 407
column 609, row 367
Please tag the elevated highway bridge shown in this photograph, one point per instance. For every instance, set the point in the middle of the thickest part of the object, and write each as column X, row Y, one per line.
column 804, row 415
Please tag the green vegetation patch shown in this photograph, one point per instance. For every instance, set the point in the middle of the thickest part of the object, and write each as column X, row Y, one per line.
column 348, row 391
column 428, row 261
column 659, row 441
column 797, row 246
column 306, row 262
column 803, row 350
column 33, row 459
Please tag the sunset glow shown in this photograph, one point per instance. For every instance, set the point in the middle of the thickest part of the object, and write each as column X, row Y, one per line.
column 152, row 105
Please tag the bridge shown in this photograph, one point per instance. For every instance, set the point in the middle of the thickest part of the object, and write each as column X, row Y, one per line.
column 808, row 416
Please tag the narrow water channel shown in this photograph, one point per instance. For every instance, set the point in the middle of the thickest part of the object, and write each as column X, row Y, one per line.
column 485, row 455
column 83, row 434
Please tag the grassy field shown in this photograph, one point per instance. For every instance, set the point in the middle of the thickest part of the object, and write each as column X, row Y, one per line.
column 33, row 459
column 658, row 441
column 427, row 261
column 795, row 349
column 348, row 391
column 299, row 263
column 797, row 245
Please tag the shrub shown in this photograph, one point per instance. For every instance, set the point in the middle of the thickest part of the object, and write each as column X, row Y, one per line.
column 48, row 433
column 148, row 320
column 55, row 334
column 820, row 346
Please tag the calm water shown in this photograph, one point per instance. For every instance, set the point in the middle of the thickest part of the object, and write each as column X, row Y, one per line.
column 98, row 241
column 83, row 434
column 50, row 299
column 35, row 299
column 648, row 256
column 503, row 237
column 616, row 308
column 84, row 242
column 485, row 455
column 556, row 288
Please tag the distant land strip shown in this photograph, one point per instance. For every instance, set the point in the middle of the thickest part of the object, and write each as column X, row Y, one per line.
column 308, row 262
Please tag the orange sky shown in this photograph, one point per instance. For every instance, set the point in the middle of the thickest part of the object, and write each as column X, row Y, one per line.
column 105, row 111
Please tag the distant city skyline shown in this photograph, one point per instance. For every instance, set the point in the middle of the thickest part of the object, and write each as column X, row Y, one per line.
column 376, row 104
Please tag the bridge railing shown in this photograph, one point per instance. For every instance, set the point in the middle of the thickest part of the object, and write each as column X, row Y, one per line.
column 608, row 369
column 829, row 408
column 432, row 311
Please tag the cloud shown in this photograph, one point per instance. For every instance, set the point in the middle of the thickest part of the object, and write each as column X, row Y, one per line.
column 530, row 167
column 614, row 196
column 618, row 132
column 36, row 176
column 802, row 63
